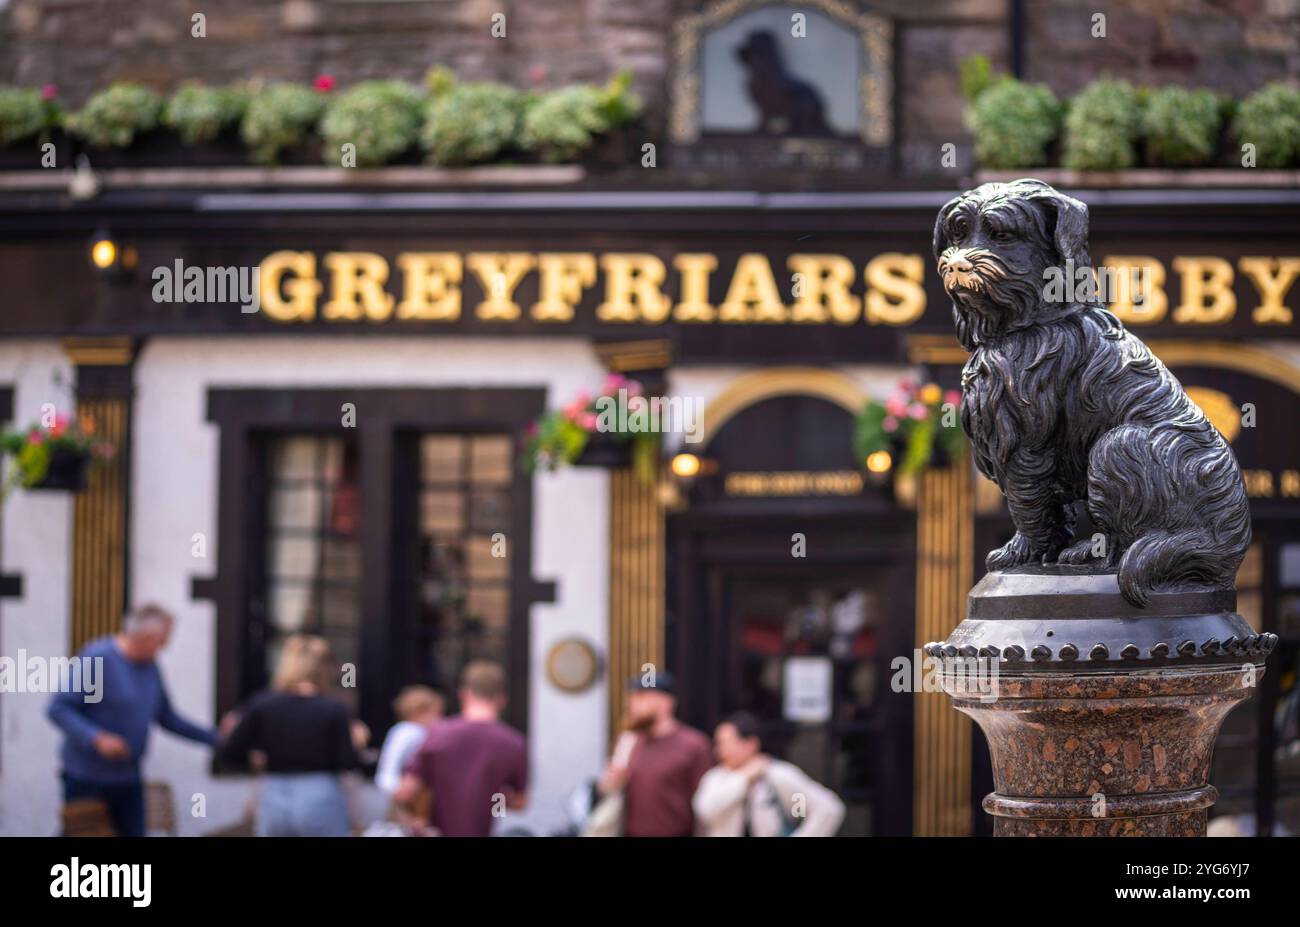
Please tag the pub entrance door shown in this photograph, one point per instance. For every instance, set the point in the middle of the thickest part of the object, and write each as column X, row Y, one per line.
column 805, row 644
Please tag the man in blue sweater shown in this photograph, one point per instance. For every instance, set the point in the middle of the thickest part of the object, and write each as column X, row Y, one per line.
column 104, row 741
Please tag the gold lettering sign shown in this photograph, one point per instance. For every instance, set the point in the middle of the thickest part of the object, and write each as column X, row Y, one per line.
column 794, row 483
column 632, row 291
column 294, row 299
column 358, row 286
column 1205, row 278
column 499, row 274
column 1272, row 278
column 637, row 290
column 431, row 290
column 1139, row 294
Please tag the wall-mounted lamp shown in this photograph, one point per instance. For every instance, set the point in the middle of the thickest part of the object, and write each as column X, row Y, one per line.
column 104, row 252
column 110, row 257
column 685, row 466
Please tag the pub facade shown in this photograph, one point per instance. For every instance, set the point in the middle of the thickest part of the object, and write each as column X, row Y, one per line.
column 318, row 388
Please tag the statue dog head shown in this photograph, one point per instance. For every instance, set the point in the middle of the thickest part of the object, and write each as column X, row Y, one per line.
column 995, row 244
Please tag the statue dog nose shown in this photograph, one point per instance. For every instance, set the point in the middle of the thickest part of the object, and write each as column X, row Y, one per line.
column 960, row 265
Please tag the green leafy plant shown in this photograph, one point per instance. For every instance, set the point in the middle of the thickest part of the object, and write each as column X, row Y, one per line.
column 1269, row 119
column 33, row 448
column 279, row 117
column 114, row 117
column 1102, row 127
column 380, row 117
column 908, row 427
column 563, row 123
column 199, row 114
column 1181, row 126
column 975, row 74
column 1013, row 122
column 471, row 123
column 25, row 113
column 559, row 437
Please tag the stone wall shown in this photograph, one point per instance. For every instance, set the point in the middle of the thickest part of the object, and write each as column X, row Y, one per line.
column 80, row 45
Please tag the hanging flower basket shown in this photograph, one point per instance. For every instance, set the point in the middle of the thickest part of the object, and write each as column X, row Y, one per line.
column 55, row 458
column 595, row 432
column 605, row 450
column 915, row 428
column 67, row 471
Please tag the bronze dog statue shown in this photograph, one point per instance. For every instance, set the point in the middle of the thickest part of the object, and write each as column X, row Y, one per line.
column 1062, row 404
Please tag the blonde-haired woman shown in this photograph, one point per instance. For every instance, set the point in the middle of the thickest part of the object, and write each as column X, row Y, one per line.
column 307, row 741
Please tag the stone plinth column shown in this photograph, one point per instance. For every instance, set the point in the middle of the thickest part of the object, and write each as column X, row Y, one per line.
column 1100, row 717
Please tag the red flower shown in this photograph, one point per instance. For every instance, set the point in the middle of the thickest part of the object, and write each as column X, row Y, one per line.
column 35, row 437
column 49, row 91
column 536, row 74
column 323, row 84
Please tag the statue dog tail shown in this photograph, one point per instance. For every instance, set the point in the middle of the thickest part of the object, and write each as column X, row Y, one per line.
column 1172, row 504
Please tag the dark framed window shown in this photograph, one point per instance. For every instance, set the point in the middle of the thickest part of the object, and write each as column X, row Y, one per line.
column 463, row 578
column 404, row 539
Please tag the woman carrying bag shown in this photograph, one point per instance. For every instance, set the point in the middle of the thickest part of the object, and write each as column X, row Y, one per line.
column 751, row 794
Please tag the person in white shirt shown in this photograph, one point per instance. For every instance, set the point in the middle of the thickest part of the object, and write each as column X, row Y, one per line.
column 419, row 707
column 751, row 794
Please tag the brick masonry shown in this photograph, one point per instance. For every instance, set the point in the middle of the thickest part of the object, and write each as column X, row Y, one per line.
column 80, row 45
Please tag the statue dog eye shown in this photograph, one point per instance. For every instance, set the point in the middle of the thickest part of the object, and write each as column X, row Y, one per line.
column 1002, row 235
column 958, row 229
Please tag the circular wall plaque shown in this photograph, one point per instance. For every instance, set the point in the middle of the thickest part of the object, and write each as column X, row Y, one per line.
column 572, row 664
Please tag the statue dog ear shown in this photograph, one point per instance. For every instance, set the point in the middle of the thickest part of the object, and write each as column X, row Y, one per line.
column 940, row 235
column 1068, row 218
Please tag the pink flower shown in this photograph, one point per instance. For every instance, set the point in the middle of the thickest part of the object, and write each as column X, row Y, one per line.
column 323, row 84
column 917, row 411
column 907, row 384
column 49, row 91
column 35, row 437
column 59, row 427
column 612, row 384
column 576, row 408
column 890, row 424
column 531, row 429
column 588, row 421
column 896, row 406
column 952, row 396
column 536, row 74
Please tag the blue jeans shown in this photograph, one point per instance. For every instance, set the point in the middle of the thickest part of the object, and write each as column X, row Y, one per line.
column 125, row 801
column 302, row 805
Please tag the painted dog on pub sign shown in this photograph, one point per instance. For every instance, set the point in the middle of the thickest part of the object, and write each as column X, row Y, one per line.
column 1062, row 404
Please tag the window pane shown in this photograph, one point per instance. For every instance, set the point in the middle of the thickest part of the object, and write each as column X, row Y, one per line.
column 490, row 460
column 490, row 513
column 296, row 458
column 441, row 512
column 482, row 564
column 490, row 605
column 1288, row 567
column 292, row 608
column 296, row 506
column 313, row 552
column 463, row 590
column 442, row 458
column 295, row 558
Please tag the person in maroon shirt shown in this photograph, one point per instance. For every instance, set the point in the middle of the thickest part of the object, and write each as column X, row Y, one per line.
column 473, row 765
column 666, row 763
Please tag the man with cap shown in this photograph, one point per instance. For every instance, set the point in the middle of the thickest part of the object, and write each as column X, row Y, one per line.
column 658, row 762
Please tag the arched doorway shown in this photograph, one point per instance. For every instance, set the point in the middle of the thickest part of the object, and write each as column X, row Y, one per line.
column 791, row 588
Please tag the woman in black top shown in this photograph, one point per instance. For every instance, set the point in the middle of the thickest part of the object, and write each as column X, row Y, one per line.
column 306, row 740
